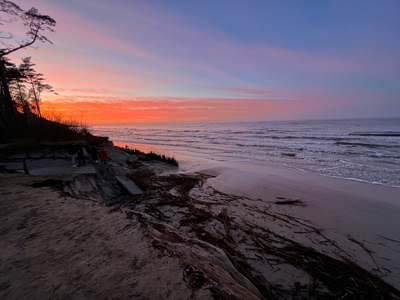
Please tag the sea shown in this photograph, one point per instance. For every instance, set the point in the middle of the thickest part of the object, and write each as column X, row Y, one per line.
column 365, row 150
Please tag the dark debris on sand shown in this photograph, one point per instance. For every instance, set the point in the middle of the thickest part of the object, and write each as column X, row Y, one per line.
column 186, row 203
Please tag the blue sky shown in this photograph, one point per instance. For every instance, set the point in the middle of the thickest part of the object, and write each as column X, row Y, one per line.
column 283, row 59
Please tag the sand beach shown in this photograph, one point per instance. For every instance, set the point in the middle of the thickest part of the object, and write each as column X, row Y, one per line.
column 202, row 150
column 210, row 231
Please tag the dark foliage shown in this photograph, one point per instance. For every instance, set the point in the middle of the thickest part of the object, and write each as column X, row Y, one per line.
column 150, row 156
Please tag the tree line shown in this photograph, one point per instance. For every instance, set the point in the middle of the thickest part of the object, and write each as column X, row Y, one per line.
column 21, row 86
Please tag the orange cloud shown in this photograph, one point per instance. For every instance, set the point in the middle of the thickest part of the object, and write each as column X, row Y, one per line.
column 173, row 110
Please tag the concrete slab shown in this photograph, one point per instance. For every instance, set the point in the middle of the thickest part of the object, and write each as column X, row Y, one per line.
column 87, row 170
column 59, row 165
column 129, row 185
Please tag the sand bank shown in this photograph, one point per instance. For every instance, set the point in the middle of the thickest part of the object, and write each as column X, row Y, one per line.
column 192, row 236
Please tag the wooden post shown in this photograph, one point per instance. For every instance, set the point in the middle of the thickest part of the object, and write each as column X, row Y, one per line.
column 25, row 167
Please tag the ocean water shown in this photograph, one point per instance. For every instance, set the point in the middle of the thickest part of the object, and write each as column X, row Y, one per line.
column 361, row 149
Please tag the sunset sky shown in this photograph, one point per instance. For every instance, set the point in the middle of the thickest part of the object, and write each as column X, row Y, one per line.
column 149, row 61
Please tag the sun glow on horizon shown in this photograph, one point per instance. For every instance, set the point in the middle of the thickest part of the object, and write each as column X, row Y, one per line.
column 169, row 111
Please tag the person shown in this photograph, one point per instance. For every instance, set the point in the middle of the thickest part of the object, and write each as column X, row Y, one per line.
column 103, row 156
column 72, row 153
column 94, row 154
column 80, row 153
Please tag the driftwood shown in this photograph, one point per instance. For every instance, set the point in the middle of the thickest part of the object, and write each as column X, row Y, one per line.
column 290, row 202
column 202, row 212
column 388, row 238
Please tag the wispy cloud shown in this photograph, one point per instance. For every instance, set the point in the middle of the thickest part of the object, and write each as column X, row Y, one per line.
column 142, row 60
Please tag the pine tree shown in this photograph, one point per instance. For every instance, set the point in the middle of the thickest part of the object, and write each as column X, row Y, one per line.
column 35, row 82
column 35, row 23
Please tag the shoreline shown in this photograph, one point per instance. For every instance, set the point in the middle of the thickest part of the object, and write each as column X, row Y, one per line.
column 224, row 215
column 367, row 212
column 319, row 147
column 267, row 164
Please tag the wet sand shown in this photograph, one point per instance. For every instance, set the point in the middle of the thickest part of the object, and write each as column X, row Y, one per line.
column 341, row 208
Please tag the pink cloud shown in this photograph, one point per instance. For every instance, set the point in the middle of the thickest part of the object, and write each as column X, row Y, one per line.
column 74, row 32
column 313, row 62
column 229, row 52
column 216, row 47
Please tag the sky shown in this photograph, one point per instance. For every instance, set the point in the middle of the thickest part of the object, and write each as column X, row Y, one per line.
column 157, row 61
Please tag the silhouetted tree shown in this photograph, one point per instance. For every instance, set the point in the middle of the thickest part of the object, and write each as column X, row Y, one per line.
column 35, row 23
column 17, row 85
column 35, row 81
column 7, row 112
column 11, row 11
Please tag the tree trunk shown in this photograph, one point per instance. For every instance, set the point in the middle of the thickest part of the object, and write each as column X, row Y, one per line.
column 36, row 99
column 9, row 109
